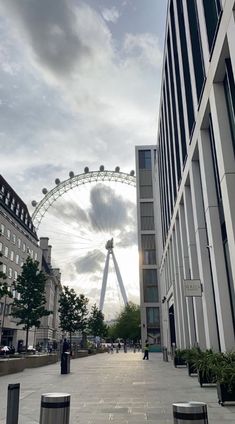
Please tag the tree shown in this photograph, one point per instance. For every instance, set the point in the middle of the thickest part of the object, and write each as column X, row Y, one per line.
column 96, row 325
column 127, row 325
column 73, row 311
column 29, row 308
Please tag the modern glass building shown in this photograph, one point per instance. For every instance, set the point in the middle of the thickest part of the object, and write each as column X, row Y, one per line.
column 196, row 162
column 147, row 240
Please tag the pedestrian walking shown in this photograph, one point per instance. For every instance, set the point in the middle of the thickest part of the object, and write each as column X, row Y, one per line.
column 65, row 347
column 146, row 350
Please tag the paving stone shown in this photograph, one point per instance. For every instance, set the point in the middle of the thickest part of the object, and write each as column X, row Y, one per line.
column 118, row 388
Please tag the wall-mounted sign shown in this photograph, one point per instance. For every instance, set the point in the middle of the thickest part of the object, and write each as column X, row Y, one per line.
column 192, row 288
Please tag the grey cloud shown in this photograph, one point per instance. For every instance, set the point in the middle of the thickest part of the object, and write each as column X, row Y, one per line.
column 128, row 238
column 109, row 211
column 92, row 262
column 69, row 212
column 51, row 30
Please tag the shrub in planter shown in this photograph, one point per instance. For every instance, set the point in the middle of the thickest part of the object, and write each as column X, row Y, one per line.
column 225, row 375
column 205, row 364
column 179, row 359
column 191, row 356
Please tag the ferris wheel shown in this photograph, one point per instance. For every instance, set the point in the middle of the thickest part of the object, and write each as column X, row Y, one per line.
column 83, row 237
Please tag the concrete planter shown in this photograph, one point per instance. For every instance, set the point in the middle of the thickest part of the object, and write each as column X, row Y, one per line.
column 10, row 366
column 13, row 365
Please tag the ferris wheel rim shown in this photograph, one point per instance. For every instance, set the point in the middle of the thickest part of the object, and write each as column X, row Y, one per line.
column 72, row 182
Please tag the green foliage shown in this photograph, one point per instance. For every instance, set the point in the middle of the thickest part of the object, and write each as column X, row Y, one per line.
column 225, row 370
column 191, row 355
column 30, row 308
column 73, row 311
column 96, row 325
column 128, row 324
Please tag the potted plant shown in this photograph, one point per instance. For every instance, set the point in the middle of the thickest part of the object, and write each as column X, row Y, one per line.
column 225, row 375
column 191, row 356
column 205, row 364
column 179, row 359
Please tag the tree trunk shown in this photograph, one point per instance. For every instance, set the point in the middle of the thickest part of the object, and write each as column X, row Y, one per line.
column 70, row 342
column 27, row 338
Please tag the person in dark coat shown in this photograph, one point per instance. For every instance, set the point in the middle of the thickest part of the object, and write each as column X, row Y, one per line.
column 65, row 347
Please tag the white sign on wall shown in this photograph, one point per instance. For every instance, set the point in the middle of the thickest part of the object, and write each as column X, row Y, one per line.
column 192, row 288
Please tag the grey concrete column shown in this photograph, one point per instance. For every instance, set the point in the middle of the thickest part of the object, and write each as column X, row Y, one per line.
column 226, row 163
column 217, row 263
column 193, row 260
column 184, row 311
column 177, row 296
column 187, row 275
column 207, row 191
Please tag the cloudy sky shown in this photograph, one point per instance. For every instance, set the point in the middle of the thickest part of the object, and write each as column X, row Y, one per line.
column 79, row 86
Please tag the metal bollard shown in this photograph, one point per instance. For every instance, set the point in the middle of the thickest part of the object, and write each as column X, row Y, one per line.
column 55, row 408
column 190, row 413
column 13, row 397
column 65, row 363
column 165, row 354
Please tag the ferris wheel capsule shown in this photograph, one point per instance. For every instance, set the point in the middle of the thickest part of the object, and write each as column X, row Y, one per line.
column 71, row 174
column 57, row 181
column 117, row 169
column 86, row 169
column 101, row 168
column 34, row 203
column 132, row 173
column 44, row 190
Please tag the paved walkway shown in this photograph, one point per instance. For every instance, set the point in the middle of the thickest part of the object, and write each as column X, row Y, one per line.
column 119, row 388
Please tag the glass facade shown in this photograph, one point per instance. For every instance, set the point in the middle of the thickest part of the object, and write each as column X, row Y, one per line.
column 146, row 216
column 145, row 159
column 212, row 11
column 195, row 35
column 150, row 285
column 153, row 317
column 229, row 87
column 186, row 71
column 148, row 249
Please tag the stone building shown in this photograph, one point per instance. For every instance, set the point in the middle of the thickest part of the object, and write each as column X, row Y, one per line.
column 196, row 161
column 18, row 240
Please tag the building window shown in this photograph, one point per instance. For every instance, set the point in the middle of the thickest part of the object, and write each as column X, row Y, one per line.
column 35, row 256
column 14, row 238
column 148, row 249
column 147, row 216
column 4, row 268
column 145, row 159
column 8, row 234
column 150, row 285
column 10, row 272
column 195, row 36
column 19, row 243
column 146, row 184
column 186, row 70
column 6, row 251
column 2, row 229
column 15, row 275
column 0, row 246
column 178, row 85
column 24, row 247
column 229, row 87
column 12, row 255
column 17, row 259
column 153, row 317
column 212, row 11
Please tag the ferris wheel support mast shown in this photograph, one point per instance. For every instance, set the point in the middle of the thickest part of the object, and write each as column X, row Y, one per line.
column 110, row 252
